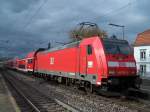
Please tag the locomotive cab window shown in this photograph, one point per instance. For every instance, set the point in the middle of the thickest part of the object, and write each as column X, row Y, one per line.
column 89, row 49
column 116, row 47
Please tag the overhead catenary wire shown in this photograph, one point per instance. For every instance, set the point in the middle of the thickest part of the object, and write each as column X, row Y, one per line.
column 114, row 11
column 107, row 14
column 33, row 16
column 110, row 13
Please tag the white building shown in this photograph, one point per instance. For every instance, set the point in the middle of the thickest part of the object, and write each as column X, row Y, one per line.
column 142, row 53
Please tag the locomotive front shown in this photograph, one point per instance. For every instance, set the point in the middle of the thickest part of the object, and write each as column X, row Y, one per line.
column 120, row 63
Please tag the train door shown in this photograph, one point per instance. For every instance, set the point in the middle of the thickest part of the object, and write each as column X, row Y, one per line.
column 85, row 56
column 83, row 61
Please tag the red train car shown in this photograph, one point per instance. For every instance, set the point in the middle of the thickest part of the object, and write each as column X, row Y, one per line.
column 22, row 64
column 9, row 63
column 94, row 61
column 12, row 63
column 30, row 61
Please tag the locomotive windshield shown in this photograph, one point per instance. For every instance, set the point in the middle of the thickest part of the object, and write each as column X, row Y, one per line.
column 117, row 47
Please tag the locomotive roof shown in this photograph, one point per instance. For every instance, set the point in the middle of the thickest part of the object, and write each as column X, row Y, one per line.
column 72, row 44
column 76, row 43
column 115, row 40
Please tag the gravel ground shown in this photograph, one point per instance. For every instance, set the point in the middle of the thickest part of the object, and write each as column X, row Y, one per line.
column 80, row 100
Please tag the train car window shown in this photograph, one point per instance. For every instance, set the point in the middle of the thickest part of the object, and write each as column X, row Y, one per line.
column 29, row 61
column 89, row 49
column 21, row 66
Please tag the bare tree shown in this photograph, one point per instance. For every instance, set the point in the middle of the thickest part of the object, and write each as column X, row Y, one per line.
column 86, row 30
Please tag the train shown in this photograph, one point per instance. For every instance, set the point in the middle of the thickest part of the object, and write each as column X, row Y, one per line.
column 94, row 63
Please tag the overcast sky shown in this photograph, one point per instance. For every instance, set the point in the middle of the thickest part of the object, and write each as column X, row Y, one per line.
column 29, row 24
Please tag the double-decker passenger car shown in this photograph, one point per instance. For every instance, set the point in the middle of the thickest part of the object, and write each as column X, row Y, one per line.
column 21, row 64
column 11, row 63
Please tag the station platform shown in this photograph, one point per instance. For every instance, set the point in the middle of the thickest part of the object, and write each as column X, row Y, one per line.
column 7, row 102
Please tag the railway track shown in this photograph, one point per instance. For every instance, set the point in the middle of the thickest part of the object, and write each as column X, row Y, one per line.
column 90, row 102
column 33, row 100
column 136, row 103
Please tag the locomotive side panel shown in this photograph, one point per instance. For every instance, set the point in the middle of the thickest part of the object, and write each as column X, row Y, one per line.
column 62, row 62
column 76, row 62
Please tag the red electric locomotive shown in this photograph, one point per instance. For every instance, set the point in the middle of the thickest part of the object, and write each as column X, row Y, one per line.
column 92, row 62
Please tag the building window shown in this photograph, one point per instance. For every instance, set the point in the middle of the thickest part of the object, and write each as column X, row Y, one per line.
column 143, row 69
column 143, row 54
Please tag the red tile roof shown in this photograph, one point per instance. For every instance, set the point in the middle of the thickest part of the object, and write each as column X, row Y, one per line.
column 143, row 38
